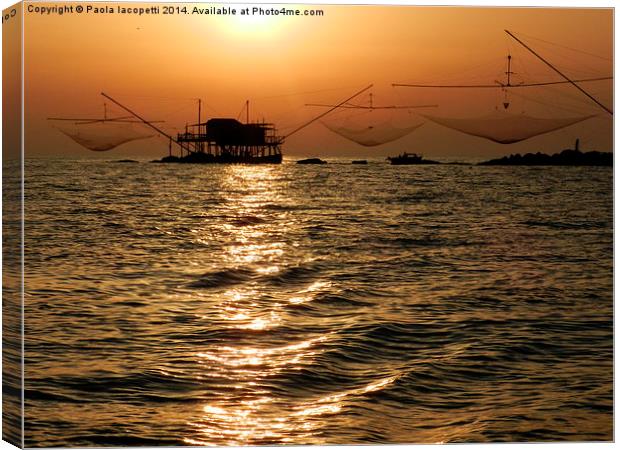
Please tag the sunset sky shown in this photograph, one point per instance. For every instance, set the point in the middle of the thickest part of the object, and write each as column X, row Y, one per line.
column 159, row 64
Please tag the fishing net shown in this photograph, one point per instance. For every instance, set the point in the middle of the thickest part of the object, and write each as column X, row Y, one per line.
column 370, row 135
column 103, row 135
column 373, row 128
column 507, row 128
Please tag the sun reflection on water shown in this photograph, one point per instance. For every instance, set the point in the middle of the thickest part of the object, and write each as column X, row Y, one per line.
column 248, row 409
column 223, row 308
column 308, row 293
column 268, row 358
column 249, row 412
column 263, row 421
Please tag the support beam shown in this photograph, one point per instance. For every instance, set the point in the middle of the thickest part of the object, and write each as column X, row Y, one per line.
column 371, row 107
column 327, row 112
column 146, row 122
column 559, row 73
column 499, row 84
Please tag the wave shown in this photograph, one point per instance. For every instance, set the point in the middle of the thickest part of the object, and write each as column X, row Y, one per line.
column 567, row 225
column 298, row 274
column 244, row 221
column 222, row 278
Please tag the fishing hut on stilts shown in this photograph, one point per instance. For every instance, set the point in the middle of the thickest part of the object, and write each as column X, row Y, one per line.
column 227, row 140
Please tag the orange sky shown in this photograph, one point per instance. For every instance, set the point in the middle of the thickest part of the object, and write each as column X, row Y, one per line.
column 11, row 85
column 158, row 63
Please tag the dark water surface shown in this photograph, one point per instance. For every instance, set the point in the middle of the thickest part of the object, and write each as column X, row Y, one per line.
column 336, row 304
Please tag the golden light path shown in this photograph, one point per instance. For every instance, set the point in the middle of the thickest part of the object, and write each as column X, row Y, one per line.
column 248, row 413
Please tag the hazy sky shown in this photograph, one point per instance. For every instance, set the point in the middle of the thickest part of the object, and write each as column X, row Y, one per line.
column 158, row 64
column 11, row 86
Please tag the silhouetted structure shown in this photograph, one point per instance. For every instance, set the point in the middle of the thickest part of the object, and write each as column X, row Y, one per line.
column 224, row 140
column 311, row 161
column 409, row 159
column 569, row 157
column 228, row 141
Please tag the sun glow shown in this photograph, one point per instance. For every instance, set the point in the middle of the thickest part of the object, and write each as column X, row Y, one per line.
column 255, row 21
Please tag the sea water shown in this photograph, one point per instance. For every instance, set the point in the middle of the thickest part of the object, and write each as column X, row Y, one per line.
column 333, row 304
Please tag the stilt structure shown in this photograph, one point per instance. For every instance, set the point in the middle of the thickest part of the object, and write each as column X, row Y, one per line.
column 226, row 140
column 230, row 141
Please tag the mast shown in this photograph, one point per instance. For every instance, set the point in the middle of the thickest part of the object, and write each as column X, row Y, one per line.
column 247, row 111
column 508, row 72
column 505, row 87
column 559, row 73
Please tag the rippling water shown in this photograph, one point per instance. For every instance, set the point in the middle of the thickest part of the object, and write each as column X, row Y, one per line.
column 337, row 304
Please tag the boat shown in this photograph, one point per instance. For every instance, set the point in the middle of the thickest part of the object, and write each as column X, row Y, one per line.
column 409, row 159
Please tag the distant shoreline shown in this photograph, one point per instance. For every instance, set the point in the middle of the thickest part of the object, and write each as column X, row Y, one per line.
column 568, row 157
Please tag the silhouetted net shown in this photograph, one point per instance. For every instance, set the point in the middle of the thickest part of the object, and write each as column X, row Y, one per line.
column 371, row 136
column 373, row 128
column 507, row 128
column 101, row 136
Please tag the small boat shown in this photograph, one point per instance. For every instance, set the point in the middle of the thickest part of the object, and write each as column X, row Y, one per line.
column 409, row 158
column 359, row 161
column 405, row 158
